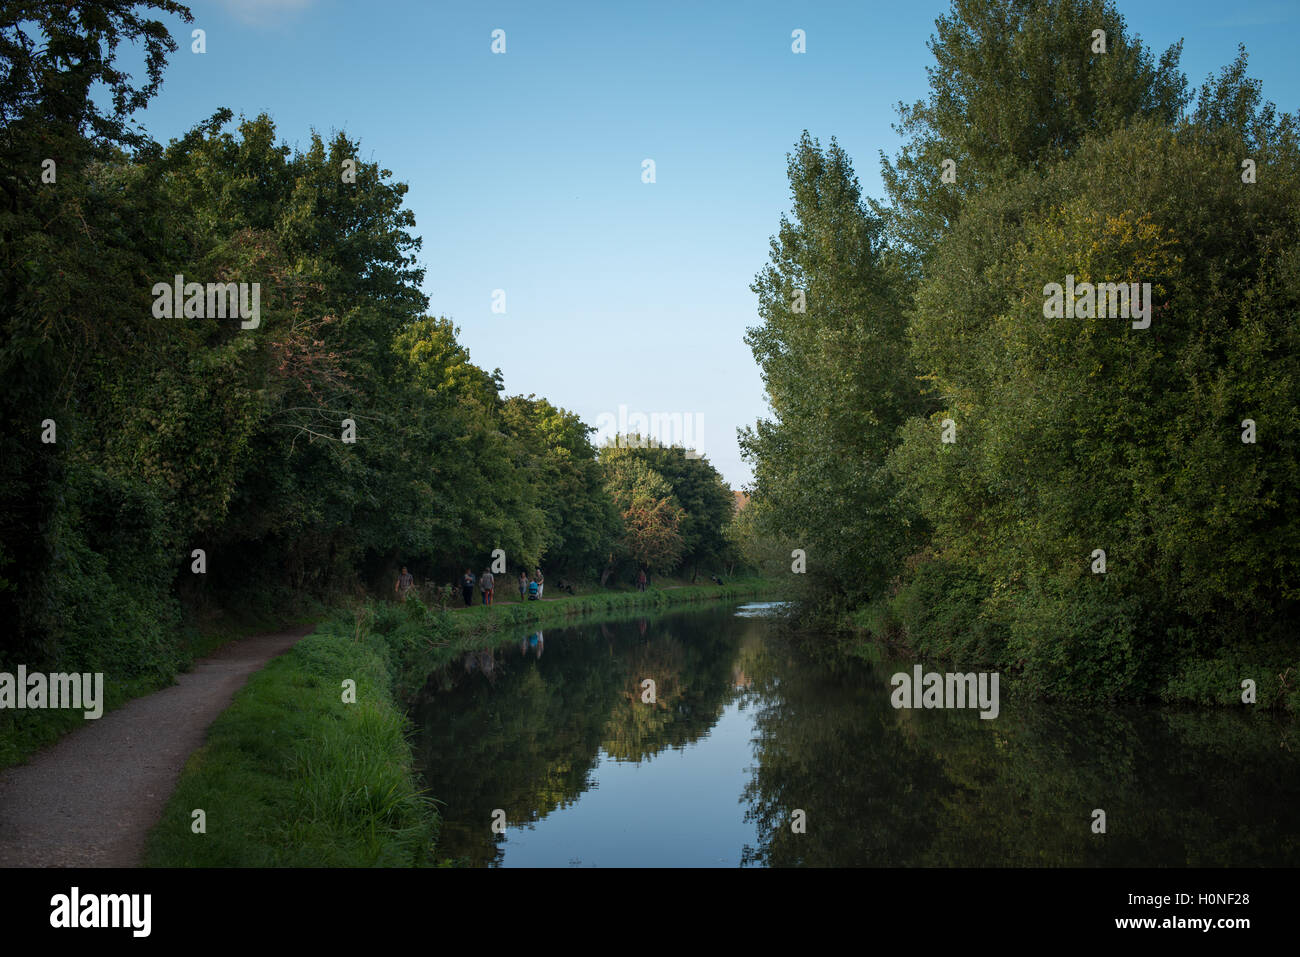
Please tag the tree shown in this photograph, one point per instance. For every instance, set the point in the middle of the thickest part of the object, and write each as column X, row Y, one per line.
column 836, row 372
column 706, row 500
column 581, row 518
column 63, row 244
column 1015, row 86
column 1077, row 433
column 651, row 516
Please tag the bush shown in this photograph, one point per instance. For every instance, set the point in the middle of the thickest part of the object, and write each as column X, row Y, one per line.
column 940, row 613
column 105, row 603
column 1273, row 666
column 1086, row 645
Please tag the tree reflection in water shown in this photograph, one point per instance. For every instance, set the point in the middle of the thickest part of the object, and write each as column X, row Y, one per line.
column 526, row 733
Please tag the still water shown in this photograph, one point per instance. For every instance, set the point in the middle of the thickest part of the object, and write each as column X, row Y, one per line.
column 556, row 730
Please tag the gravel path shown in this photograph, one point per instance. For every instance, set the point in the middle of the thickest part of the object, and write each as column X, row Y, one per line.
column 91, row 799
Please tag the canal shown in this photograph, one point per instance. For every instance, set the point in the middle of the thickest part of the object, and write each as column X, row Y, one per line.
column 554, row 750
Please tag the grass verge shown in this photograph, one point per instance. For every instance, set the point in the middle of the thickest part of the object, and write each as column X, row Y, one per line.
column 294, row 776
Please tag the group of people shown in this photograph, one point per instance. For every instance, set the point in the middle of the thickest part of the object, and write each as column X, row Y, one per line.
column 529, row 589
column 487, row 586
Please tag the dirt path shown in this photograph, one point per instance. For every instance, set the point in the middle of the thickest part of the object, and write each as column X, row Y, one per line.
column 91, row 799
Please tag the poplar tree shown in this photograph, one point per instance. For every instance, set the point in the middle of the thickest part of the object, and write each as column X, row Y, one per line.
column 833, row 356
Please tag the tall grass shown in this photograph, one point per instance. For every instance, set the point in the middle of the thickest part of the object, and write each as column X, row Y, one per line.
column 291, row 776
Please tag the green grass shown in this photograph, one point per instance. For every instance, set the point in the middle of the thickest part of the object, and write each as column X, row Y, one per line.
column 291, row 776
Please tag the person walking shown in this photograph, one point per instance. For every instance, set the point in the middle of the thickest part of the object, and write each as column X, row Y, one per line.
column 540, row 580
column 405, row 582
column 486, row 583
column 467, row 587
column 640, row 580
column 523, row 587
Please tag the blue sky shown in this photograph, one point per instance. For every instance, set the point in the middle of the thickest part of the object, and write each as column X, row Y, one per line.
column 525, row 168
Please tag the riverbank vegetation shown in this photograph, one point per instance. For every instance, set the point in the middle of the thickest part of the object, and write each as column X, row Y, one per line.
column 164, row 469
column 294, row 775
column 1105, row 506
column 433, row 637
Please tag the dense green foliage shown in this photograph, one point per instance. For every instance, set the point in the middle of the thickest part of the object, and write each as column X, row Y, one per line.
column 312, row 449
column 992, row 449
column 675, row 507
column 837, row 377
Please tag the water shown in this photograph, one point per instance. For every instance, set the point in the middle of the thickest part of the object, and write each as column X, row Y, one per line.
column 744, row 732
